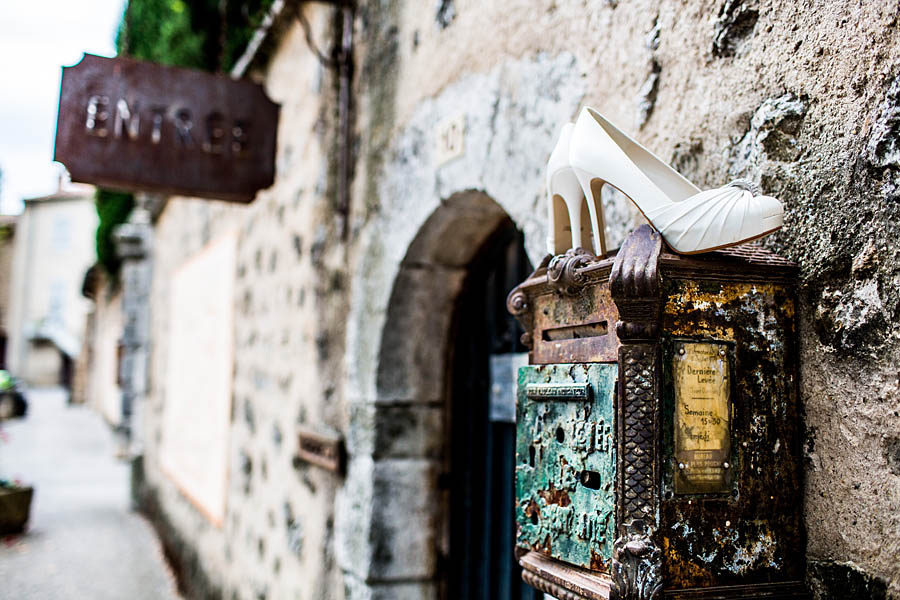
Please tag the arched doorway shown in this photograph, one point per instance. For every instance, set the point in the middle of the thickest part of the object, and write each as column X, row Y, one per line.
column 392, row 515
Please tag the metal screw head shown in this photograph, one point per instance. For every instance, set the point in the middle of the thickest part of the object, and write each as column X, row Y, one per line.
column 725, row 464
column 681, row 466
column 721, row 351
column 681, row 350
column 727, row 523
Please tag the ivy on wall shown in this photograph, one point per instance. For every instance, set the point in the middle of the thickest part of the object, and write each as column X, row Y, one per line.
column 113, row 209
column 181, row 33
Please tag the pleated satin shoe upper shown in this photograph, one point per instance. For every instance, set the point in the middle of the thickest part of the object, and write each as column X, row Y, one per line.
column 718, row 217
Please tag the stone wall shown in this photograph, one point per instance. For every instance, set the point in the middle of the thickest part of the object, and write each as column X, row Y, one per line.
column 276, row 539
column 348, row 336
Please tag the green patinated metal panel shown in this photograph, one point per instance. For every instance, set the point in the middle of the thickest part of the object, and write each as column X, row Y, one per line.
column 566, row 462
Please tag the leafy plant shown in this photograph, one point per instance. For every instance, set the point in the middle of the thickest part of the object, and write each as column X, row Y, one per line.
column 190, row 33
column 113, row 209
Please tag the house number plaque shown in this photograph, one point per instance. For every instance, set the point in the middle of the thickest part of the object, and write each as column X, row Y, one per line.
column 702, row 418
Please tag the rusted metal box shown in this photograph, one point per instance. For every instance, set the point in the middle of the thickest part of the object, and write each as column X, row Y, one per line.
column 658, row 449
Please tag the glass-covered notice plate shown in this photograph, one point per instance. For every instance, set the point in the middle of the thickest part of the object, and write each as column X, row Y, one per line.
column 702, row 418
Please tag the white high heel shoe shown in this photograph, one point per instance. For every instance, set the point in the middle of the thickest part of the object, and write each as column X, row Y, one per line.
column 574, row 221
column 690, row 221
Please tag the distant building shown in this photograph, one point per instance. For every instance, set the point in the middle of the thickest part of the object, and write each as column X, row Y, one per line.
column 54, row 246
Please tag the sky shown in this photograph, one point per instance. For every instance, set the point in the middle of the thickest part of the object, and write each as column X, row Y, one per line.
column 37, row 38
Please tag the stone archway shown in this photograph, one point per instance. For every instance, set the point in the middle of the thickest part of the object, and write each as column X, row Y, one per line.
column 392, row 485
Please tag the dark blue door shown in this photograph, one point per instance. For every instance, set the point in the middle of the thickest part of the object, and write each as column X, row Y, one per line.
column 480, row 454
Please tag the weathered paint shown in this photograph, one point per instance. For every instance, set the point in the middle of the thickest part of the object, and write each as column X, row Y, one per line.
column 566, row 465
column 752, row 532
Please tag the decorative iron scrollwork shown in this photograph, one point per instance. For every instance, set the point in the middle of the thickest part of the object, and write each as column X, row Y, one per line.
column 637, row 564
column 517, row 305
column 562, row 272
column 517, row 302
column 634, row 285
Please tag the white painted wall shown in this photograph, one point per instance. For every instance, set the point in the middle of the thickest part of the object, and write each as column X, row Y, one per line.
column 55, row 245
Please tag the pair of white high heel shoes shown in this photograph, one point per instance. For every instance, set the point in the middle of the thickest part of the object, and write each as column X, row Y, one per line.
column 593, row 152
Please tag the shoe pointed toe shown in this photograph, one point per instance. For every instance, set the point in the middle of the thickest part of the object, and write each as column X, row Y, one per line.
column 770, row 208
column 718, row 218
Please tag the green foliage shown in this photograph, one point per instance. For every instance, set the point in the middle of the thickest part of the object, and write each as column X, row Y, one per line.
column 188, row 33
column 243, row 17
column 162, row 31
column 113, row 209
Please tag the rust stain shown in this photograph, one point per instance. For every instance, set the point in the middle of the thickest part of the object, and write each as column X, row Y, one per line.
column 598, row 562
column 683, row 573
column 703, row 301
column 555, row 496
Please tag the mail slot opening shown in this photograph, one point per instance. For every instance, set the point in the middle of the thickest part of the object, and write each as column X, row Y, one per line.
column 531, row 454
column 575, row 332
column 590, row 479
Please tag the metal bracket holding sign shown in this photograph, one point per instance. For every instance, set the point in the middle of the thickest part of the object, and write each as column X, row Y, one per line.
column 135, row 125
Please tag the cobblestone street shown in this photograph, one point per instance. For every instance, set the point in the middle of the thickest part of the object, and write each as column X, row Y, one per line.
column 83, row 540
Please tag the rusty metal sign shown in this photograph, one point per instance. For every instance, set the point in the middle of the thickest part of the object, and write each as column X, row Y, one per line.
column 702, row 418
column 136, row 125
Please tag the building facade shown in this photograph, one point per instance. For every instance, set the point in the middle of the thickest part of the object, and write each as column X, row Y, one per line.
column 54, row 246
column 372, row 324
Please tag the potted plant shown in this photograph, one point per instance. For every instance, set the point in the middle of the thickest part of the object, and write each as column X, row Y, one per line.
column 15, row 506
column 15, row 498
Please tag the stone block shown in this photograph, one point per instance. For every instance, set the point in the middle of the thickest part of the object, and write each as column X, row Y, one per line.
column 385, row 524
column 396, row 430
column 413, row 345
column 415, row 590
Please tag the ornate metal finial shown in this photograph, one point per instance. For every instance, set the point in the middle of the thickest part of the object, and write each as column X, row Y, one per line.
column 517, row 305
column 634, row 284
column 637, row 564
column 562, row 272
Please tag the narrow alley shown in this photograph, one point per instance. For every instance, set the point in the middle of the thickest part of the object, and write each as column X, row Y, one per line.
column 83, row 540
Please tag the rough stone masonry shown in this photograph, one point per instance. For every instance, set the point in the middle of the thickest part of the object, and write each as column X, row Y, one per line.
column 801, row 98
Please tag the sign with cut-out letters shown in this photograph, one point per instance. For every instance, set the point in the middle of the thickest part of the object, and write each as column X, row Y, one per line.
column 135, row 125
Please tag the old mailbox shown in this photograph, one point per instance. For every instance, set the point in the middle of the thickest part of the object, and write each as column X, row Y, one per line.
column 658, row 425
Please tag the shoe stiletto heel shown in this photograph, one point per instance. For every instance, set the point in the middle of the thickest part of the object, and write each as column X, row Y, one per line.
column 689, row 220
column 595, row 210
column 573, row 220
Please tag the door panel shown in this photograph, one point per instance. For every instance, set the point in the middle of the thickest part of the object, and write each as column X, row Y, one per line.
column 480, row 451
